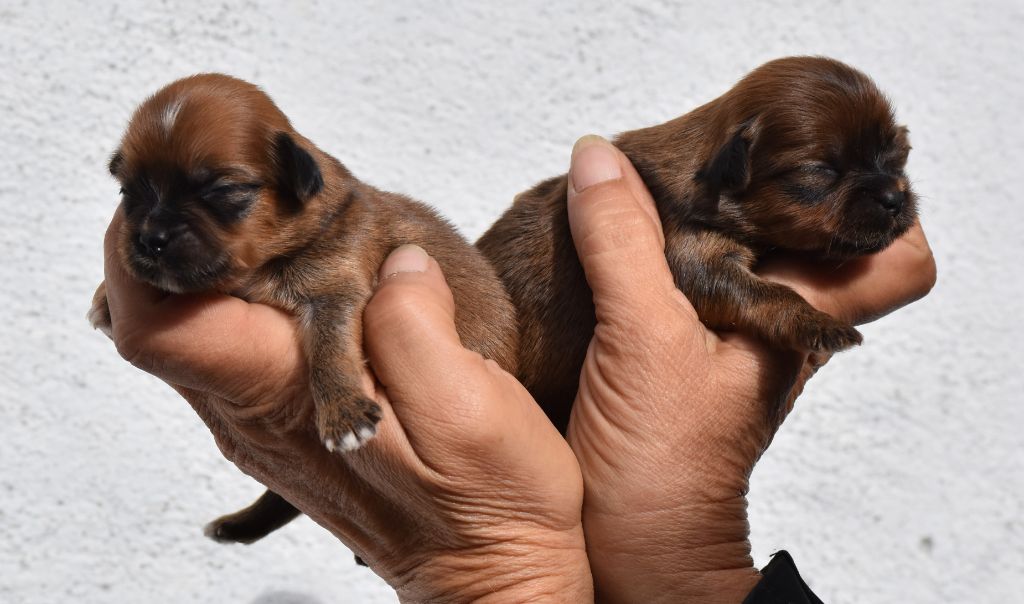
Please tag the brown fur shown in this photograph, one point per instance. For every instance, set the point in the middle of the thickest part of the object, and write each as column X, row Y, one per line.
column 797, row 156
column 221, row 194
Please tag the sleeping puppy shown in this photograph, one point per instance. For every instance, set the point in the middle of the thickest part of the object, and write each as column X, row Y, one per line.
column 802, row 154
column 219, row 193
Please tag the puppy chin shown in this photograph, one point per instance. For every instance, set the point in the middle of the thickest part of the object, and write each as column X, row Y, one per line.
column 181, row 278
column 867, row 241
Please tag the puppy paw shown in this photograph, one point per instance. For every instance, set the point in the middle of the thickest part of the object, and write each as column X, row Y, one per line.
column 220, row 531
column 822, row 333
column 99, row 313
column 226, row 530
column 348, row 426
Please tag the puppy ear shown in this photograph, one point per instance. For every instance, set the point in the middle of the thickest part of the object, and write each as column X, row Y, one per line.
column 728, row 170
column 297, row 171
column 115, row 162
column 902, row 138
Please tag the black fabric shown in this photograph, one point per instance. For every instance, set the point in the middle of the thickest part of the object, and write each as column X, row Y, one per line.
column 781, row 584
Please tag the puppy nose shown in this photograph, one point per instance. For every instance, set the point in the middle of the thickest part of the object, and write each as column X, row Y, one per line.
column 155, row 240
column 892, row 200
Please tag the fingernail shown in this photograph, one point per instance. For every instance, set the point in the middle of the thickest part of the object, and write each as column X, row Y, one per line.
column 405, row 259
column 594, row 161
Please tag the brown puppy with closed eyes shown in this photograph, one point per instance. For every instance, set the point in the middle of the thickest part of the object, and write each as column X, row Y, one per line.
column 802, row 154
column 219, row 193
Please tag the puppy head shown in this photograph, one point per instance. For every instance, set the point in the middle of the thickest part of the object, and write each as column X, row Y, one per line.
column 808, row 154
column 213, row 180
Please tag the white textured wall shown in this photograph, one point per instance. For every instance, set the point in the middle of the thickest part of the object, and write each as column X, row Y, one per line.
column 900, row 477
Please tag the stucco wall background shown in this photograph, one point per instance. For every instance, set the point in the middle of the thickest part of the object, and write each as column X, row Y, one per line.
column 900, row 476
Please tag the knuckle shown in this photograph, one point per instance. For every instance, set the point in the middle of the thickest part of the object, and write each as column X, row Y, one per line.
column 659, row 312
column 618, row 229
column 232, row 450
column 921, row 272
column 393, row 300
column 492, row 368
column 481, row 389
column 404, row 302
column 654, row 333
column 919, row 263
column 133, row 347
column 145, row 350
column 928, row 272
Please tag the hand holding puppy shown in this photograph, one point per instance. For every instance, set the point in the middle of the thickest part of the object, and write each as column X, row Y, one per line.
column 802, row 154
column 467, row 493
column 671, row 417
column 219, row 194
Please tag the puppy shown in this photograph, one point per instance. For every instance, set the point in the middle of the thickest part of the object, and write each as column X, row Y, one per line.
column 802, row 154
column 219, row 193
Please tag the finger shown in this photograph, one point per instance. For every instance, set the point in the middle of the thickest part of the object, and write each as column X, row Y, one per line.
column 207, row 342
column 618, row 236
column 858, row 291
column 863, row 289
column 126, row 296
column 409, row 323
column 446, row 398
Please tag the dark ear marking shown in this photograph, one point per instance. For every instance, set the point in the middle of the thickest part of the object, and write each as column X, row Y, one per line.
column 115, row 163
column 298, row 172
column 728, row 170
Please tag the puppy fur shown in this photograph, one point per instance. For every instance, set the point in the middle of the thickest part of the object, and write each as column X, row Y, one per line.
column 219, row 193
column 802, row 154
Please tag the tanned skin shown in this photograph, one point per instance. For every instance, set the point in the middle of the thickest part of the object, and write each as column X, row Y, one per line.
column 803, row 154
column 219, row 193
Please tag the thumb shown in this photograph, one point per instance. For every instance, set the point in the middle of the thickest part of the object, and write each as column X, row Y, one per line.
column 450, row 401
column 413, row 346
column 409, row 323
column 617, row 233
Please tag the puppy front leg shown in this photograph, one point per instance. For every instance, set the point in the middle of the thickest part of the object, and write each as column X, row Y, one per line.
column 345, row 417
column 715, row 274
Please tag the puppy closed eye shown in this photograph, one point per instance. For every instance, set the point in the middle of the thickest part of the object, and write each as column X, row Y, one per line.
column 229, row 202
column 822, row 171
column 811, row 183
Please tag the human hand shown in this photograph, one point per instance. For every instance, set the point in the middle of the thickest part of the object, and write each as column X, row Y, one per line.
column 467, row 493
column 671, row 417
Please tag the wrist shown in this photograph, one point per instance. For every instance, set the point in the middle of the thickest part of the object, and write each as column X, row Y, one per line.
column 692, row 552
column 538, row 569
